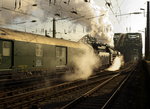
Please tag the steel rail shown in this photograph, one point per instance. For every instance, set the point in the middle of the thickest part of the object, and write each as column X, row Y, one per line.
column 36, row 92
column 40, row 98
column 77, row 100
column 88, row 93
column 107, row 104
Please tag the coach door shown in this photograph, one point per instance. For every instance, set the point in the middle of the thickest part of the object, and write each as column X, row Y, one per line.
column 5, row 54
column 61, row 56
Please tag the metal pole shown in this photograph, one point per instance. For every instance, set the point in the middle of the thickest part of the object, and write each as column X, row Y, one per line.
column 146, row 43
column 147, row 46
column 54, row 28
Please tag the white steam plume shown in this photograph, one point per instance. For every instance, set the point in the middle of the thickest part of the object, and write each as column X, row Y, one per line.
column 83, row 65
column 88, row 14
column 14, row 10
column 117, row 63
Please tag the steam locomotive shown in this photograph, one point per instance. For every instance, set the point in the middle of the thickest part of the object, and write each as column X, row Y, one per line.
column 35, row 53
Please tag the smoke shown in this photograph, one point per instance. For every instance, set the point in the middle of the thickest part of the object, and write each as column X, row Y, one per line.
column 88, row 14
column 83, row 65
column 117, row 63
column 12, row 11
column 85, row 13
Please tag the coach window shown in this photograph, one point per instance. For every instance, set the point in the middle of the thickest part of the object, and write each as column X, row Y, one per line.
column 39, row 50
column 6, row 48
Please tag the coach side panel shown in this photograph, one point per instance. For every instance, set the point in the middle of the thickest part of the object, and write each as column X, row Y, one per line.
column 34, row 56
column 49, row 57
column 24, row 55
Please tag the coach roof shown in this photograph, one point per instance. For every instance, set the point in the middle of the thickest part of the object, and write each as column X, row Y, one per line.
column 9, row 34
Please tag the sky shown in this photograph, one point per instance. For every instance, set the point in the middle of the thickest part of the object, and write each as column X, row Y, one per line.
column 119, row 15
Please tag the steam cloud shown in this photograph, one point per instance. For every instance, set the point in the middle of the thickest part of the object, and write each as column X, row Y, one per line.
column 117, row 63
column 13, row 11
column 88, row 14
column 83, row 65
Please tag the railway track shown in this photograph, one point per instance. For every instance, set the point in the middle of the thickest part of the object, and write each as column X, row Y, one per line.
column 12, row 87
column 10, row 84
column 22, row 86
column 102, row 95
column 29, row 96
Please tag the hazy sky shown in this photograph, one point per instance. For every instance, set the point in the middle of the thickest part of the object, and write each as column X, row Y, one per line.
column 128, row 22
column 68, row 30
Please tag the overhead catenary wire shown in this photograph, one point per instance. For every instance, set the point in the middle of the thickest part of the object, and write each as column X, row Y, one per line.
column 22, row 14
column 48, row 11
column 110, row 7
column 118, row 7
column 86, row 17
column 19, row 12
column 61, row 9
column 30, row 14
